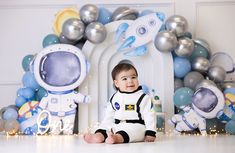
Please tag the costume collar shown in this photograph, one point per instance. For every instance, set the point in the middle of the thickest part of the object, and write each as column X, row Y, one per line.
column 139, row 88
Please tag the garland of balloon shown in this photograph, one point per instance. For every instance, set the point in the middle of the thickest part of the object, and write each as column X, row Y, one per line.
column 194, row 66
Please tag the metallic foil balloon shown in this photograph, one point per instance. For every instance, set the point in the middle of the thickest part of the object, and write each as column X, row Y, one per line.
column 227, row 85
column 177, row 24
column 11, row 126
column 185, row 47
column 89, row 13
column 73, row 29
column 95, row 32
column 165, row 41
column 65, row 40
column 125, row 13
column 203, row 43
column 178, row 83
column 205, row 83
column 192, row 79
column 217, row 73
column 201, row 64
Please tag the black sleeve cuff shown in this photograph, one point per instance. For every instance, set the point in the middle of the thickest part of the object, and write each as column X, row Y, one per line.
column 103, row 132
column 150, row 133
column 125, row 136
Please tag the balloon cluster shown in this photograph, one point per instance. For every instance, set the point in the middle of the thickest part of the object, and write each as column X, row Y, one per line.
column 192, row 62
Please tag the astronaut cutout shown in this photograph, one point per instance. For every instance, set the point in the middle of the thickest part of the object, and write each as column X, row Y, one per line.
column 207, row 103
column 60, row 69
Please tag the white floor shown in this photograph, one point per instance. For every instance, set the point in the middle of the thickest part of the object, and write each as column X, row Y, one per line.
column 75, row 144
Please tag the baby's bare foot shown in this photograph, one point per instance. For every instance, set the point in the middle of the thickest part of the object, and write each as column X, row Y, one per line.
column 93, row 138
column 114, row 138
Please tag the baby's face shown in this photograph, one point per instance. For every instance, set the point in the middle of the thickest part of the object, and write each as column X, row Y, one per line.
column 127, row 81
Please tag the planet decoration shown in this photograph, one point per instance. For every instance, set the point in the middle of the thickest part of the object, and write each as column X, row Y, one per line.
column 62, row 16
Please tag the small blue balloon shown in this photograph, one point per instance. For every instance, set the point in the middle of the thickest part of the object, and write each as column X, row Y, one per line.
column 105, row 16
column 9, row 114
column 182, row 66
column 28, row 93
column 230, row 127
column 145, row 12
column 26, row 62
column 183, row 97
column 50, row 39
column 30, row 81
column 41, row 93
column 20, row 100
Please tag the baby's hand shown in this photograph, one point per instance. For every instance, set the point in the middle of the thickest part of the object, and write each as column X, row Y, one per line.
column 149, row 138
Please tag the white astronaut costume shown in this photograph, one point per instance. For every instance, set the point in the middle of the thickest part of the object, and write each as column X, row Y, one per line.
column 207, row 103
column 130, row 115
column 60, row 69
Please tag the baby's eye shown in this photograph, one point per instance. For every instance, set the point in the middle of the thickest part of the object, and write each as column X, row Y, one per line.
column 133, row 77
column 124, row 79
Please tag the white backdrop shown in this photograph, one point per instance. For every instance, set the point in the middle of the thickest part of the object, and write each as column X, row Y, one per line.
column 25, row 23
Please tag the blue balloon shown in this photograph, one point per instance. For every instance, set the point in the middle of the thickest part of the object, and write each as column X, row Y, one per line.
column 28, row 93
column 183, row 97
column 26, row 62
column 41, row 93
column 145, row 12
column 105, row 16
column 30, row 81
column 199, row 51
column 9, row 114
column 182, row 66
column 230, row 127
column 50, row 39
column 20, row 101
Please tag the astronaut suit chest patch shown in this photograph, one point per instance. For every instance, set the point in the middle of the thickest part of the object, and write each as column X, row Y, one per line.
column 129, row 107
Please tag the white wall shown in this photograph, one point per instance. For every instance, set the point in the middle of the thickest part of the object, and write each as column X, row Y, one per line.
column 25, row 23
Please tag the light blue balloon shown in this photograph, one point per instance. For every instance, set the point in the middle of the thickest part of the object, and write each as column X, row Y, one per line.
column 20, row 101
column 183, row 97
column 28, row 93
column 26, row 62
column 50, row 39
column 182, row 66
column 230, row 127
column 9, row 114
column 30, row 81
column 145, row 12
column 41, row 93
column 105, row 16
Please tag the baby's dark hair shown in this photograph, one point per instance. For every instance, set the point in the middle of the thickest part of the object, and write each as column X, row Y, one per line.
column 122, row 67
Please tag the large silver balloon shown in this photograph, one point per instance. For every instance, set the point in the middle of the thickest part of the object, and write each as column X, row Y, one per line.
column 185, row 47
column 178, row 83
column 89, row 13
column 201, row 64
column 165, row 41
column 177, row 24
column 192, row 79
column 205, row 83
column 95, row 32
column 217, row 73
column 73, row 29
column 124, row 13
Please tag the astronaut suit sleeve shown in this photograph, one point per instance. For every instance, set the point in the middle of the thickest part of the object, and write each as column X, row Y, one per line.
column 148, row 116
column 80, row 98
column 202, row 126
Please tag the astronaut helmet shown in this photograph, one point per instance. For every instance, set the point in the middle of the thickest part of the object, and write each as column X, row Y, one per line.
column 208, row 101
column 60, row 67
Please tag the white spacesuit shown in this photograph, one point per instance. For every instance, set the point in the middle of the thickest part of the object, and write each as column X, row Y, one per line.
column 60, row 69
column 207, row 103
column 130, row 115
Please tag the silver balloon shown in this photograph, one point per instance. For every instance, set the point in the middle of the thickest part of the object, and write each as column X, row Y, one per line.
column 2, row 110
column 1, row 125
column 89, row 13
column 165, row 41
column 124, row 13
column 11, row 126
column 192, row 79
column 227, row 85
column 177, row 24
column 73, row 29
column 201, row 64
column 205, row 83
column 95, row 32
column 185, row 47
column 217, row 73
column 178, row 83
column 64, row 40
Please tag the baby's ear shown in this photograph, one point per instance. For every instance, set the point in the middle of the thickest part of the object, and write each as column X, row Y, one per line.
column 116, row 84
